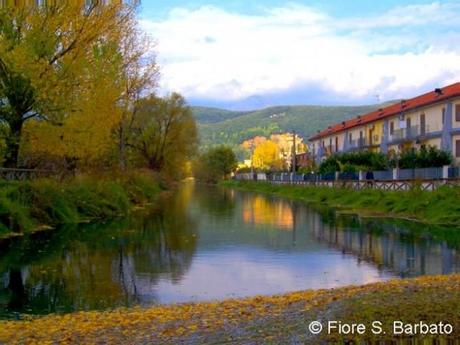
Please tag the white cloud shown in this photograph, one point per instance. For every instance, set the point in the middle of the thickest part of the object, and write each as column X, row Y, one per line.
column 209, row 53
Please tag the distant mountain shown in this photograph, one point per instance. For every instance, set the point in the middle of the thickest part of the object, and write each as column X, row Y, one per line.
column 218, row 126
column 214, row 115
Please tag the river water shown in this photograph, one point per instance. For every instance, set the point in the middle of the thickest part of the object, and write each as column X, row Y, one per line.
column 207, row 243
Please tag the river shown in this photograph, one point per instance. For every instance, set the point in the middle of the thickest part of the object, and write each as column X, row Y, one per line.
column 207, row 243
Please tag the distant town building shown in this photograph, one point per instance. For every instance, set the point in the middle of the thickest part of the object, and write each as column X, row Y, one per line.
column 284, row 142
column 431, row 119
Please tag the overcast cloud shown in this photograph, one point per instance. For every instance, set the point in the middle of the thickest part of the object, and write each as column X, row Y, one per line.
column 297, row 54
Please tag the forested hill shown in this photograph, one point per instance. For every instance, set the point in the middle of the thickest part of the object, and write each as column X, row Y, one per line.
column 218, row 126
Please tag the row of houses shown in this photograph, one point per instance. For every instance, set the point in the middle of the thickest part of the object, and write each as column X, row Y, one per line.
column 431, row 119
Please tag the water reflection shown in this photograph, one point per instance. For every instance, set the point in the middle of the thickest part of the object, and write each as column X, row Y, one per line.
column 97, row 266
column 206, row 243
column 258, row 210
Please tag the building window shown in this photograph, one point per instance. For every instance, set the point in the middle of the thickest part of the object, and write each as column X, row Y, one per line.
column 350, row 137
column 457, row 148
column 443, row 116
column 422, row 124
column 392, row 128
column 457, row 112
column 336, row 144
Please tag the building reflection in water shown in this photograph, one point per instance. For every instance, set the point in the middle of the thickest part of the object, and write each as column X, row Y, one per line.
column 387, row 245
column 259, row 210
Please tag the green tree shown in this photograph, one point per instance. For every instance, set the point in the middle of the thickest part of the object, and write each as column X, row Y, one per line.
column 215, row 164
column 162, row 134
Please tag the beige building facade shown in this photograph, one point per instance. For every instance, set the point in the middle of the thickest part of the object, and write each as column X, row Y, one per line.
column 431, row 119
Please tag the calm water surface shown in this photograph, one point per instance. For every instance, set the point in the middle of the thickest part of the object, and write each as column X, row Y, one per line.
column 206, row 243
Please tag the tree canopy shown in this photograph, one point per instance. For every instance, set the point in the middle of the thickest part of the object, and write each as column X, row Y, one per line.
column 215, row 164
column 61, row 65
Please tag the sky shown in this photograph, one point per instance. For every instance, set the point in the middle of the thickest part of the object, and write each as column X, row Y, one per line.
column 253, row 54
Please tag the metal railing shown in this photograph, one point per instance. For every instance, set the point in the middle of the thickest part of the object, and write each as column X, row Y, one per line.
column 420, row 174
column 358, row 143
column 425, row 174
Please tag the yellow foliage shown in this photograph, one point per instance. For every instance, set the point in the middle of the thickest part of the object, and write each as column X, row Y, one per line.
column 279, row 318
column 267, row 156
column 82, row 67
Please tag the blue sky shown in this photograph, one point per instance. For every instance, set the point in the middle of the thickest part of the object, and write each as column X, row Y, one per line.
column 238, row 55
column 340, row 8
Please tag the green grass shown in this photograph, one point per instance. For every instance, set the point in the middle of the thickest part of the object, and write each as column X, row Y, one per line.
column 26, row 205
column 438, row 207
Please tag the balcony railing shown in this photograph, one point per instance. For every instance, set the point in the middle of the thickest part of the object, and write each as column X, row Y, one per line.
column 358, row 143
column 409, row 133
column 413, row 132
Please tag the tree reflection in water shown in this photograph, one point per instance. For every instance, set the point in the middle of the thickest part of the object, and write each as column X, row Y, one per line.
column 97, row 266
column 249, row 243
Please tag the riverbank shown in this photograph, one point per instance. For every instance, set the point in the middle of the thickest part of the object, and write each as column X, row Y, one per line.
column 282, row 319
column 439, row 207
column 27, row 206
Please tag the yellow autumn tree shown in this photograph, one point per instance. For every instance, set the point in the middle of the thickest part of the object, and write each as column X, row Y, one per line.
column 52, row 73
column 266, row 156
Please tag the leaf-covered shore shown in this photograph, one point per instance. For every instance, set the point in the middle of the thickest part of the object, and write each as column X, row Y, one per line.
column 281, row 319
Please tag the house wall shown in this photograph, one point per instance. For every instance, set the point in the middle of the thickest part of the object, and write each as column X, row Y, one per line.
column 436, row 142
column 455, row 152
column 433, row 121
column 455, row 124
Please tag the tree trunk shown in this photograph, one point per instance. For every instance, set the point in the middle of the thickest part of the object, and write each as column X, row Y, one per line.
column 155, row 163
column 122, row 146
column 13, row 142
column 18, row 291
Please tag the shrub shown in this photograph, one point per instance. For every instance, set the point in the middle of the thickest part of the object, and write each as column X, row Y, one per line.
column 367, row 160
column 330, row 165
column 425, row 158
column 354, row 161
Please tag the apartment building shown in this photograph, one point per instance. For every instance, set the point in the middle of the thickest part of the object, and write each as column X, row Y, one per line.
column 431, row 119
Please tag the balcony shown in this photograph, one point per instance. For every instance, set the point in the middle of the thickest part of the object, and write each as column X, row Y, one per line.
column 405, row 134
column 413, row 133
column 358, row 144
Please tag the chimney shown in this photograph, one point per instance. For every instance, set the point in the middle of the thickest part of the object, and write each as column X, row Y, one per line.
column 438, row 92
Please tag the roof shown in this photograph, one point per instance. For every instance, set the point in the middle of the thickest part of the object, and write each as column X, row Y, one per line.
column 432, row 97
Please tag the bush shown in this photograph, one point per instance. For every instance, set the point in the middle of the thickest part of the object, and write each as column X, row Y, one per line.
column 367, row 160
column 354, row 161
column 425, row 158
column 330, row 165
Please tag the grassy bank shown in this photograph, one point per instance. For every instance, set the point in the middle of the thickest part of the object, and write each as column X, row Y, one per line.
column 282, row 319
column 29, row 205
column 438, row 207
